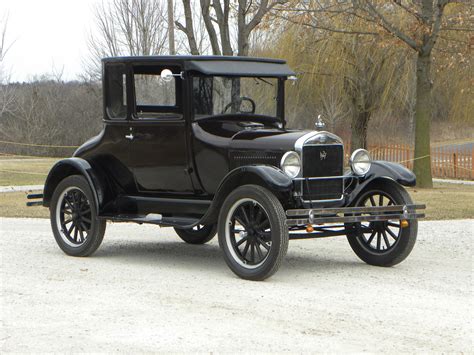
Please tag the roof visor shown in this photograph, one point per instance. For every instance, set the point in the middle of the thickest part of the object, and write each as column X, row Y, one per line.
column 239, row 68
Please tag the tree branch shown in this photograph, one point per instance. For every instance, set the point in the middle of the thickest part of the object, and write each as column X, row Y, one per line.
column 389, row 27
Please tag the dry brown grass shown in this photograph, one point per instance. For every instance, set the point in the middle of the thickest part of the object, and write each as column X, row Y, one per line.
column 444, row 201
column 24, row 171
column 13, row 204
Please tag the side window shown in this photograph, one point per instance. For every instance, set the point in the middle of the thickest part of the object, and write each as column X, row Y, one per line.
column 156, row 98
column 116, row 91
column 151, row 90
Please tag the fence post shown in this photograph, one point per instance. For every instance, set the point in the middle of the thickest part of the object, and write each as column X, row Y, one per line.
column 455, row 164
column 472, row 163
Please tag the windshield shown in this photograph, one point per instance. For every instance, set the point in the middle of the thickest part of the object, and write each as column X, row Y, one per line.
column 219, row 95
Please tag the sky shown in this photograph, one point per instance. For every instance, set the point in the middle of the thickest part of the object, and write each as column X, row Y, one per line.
column 47, row 35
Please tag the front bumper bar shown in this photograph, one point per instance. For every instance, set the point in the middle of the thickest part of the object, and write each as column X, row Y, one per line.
column 300, row 217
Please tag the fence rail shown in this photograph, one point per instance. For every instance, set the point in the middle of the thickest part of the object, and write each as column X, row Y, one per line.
column 446, row 162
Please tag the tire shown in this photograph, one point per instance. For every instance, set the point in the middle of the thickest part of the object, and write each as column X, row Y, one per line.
column 73, row 215
column 369, row 246
column 252, row 218
column 198, row 235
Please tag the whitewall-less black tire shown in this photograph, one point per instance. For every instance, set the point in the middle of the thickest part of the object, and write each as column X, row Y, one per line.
column 73, row 214
column 383, row 243
column 252, row 232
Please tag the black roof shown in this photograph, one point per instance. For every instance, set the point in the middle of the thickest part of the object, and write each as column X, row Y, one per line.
column 215, row 65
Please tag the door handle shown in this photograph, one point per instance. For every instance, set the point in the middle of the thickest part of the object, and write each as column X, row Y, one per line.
column 129, row 136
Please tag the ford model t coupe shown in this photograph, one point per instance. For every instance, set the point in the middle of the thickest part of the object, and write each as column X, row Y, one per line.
column 201, row 144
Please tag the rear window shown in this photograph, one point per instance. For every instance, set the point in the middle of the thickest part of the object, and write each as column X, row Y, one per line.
column 116, row 91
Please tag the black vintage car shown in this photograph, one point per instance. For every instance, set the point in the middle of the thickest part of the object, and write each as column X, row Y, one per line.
column 201, row 144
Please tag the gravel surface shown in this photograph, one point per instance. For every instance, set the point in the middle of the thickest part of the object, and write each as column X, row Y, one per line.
column 144, row 290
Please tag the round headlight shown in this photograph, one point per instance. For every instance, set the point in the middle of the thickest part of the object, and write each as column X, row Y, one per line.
column 360, row 161
column 291, row 164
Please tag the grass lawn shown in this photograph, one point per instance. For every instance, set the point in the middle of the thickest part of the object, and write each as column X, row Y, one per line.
column 13, row 204
column 24, row 171
column 444, row 201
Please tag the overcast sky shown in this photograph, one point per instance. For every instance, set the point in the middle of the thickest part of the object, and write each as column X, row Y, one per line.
column 47, row 33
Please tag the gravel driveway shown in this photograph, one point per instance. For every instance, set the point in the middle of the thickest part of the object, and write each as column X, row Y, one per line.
column 144, row 290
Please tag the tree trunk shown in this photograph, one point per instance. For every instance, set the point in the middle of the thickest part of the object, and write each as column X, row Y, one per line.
column 423, row 111
column 171, row 28
column 360, row 121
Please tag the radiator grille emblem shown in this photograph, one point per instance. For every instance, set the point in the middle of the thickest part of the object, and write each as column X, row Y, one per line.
column 322, row 155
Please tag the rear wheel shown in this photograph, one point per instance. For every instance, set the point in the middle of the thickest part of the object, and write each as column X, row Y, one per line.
column 252, row 232
column 73, row 215
column 383, row 243
column 199, row 234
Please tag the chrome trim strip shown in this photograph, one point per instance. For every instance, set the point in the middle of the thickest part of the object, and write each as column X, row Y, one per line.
column 324, row 177
column 299, row 147
column 300, row 141
column 319, row 201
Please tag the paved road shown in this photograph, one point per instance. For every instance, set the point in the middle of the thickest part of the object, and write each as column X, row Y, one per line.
column 144, row 291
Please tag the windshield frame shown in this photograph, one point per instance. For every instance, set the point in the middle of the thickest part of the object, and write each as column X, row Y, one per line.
column 280, row 101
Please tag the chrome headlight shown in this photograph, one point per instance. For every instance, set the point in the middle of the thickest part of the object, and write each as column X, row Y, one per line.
column 360, row 162
column 291, row 164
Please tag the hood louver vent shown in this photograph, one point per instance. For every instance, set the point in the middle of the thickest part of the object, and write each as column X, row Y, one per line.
column 242, row 158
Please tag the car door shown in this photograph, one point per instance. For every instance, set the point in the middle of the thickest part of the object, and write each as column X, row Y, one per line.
column 158, row 154
column 110, row 150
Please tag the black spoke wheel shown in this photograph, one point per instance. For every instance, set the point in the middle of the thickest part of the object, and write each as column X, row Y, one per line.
column 383, row 243
column 380, row 236
column 248, row 231
column 252, row 232
column 74, row 220
column 199, row 234
column 74, row 216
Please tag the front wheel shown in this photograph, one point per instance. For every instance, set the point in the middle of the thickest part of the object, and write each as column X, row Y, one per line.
column 383, row 243
column 74, row 221
column 252, row 232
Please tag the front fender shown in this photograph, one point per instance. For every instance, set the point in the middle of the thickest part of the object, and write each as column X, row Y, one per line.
column 393, row 171
column 266, row 176
column 73, row 166
column 383, row 170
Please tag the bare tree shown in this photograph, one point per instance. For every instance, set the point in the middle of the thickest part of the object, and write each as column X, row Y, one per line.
column 414, row 23
column 127, row 27
column 171, row 41
column 4, row 45
column 334, row 109
column 7, row 92
column 428, row 18
column 218, row 17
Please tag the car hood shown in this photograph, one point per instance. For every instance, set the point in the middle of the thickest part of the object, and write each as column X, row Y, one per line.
column 266, row 139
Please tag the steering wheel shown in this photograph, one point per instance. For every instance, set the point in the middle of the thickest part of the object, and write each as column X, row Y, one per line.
column 239, row 103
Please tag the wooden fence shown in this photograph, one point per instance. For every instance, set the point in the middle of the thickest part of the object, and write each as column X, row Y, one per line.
column 446, row 162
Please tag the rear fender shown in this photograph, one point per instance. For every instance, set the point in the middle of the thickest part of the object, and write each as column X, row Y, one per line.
column 73, row 166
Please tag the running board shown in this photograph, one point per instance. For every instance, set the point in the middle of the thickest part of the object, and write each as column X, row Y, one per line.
column 154, row 218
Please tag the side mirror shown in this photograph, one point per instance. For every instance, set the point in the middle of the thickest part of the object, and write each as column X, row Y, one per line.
column 166, row 75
